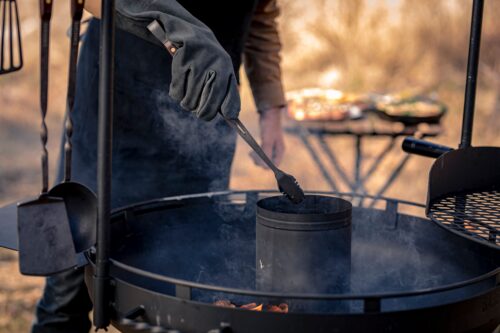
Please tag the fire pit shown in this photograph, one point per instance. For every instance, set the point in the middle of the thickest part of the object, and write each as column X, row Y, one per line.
column 173, row 258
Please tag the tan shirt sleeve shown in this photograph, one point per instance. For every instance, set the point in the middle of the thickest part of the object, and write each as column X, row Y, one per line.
column 262, row 57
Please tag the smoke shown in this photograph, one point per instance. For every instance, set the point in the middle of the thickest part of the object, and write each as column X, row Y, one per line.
column 205, row 148
column 387, row 258
column 406, row 254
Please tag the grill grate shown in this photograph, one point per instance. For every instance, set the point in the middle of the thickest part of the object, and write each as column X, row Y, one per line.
column 476, row 214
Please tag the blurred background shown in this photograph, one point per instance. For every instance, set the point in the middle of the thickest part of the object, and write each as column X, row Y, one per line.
column 359, row 46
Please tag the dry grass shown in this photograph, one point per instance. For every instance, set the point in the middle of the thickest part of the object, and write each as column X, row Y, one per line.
column 371, row 45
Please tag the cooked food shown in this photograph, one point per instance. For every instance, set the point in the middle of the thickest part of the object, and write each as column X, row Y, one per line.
column 412, row 108
column 319, row 104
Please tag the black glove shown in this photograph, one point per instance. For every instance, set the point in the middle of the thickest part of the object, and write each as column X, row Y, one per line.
column 203, row 79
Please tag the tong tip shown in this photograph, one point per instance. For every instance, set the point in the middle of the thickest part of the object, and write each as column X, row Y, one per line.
column 289, row 186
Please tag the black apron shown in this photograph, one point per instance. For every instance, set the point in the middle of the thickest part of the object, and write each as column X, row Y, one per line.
column 158, row 148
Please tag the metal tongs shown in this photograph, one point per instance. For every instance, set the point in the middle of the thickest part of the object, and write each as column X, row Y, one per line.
column 287, row 184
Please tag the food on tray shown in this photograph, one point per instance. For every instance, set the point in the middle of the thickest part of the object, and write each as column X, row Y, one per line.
column 319, row 104
column 414, row 107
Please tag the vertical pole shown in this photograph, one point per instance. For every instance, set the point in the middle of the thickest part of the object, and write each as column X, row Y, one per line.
column 472, row 66
column 104, row 154
column 357, row 163
column 357, row 170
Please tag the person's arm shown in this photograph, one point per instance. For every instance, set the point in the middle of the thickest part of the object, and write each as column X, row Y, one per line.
column 203, row 79
column 262, row 63
column 93, row 7
column 262, row 59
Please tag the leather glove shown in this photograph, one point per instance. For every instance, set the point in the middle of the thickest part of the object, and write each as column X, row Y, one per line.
column 203, row 79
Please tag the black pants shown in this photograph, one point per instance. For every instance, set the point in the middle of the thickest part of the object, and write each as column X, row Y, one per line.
column 158, row 150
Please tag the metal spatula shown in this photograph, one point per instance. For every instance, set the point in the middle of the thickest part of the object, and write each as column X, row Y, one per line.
column 11, row 52
column 45, row 243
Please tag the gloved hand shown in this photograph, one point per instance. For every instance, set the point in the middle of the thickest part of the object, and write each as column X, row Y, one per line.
column 203, row 79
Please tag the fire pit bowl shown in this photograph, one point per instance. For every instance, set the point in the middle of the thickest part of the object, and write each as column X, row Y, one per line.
column 173, row 258
column 303, row 248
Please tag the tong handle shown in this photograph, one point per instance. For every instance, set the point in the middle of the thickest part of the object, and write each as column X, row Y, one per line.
column 157, row 30
column 424, row 148
column 245, row 134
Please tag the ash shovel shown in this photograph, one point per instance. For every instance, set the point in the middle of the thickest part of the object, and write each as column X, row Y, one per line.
column 287, row 184
column 45, row 243
column 81, row 202
column 464, row 183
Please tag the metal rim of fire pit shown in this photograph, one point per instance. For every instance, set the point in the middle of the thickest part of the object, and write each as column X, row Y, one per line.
column 368, row 298
column 142, row 299
column 276, row 212
column 371, row 301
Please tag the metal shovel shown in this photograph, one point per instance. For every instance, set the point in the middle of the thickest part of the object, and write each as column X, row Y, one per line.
column 81, row 202
column 11, row 52
column 45, row 243
column 287, row 184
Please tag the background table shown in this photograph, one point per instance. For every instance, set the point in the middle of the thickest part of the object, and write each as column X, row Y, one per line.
column 369, row 127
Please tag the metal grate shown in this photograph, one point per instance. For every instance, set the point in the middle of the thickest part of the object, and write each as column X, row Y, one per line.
column 476, row 214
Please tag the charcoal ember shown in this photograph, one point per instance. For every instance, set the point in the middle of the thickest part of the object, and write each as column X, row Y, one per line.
column 252, row 306
column 282, row 308
column 224, row 303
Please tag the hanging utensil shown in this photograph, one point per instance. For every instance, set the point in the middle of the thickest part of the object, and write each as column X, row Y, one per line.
column 464, row 184
column 287, row 184
column 11, row 51
column 45, row 243
column 81, row 202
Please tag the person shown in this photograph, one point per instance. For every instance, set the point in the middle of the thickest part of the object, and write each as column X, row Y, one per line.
column 159, row 149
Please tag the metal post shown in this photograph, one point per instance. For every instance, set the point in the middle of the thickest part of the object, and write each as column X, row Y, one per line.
column 334, row 162
column 357, row 162
column 472, row 66
column 304, row 134
column 105, row 130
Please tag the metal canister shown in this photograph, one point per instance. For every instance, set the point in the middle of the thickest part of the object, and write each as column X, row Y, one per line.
column 303, row 248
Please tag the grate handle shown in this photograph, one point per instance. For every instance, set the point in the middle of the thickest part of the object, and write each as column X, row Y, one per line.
column 423, row 148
